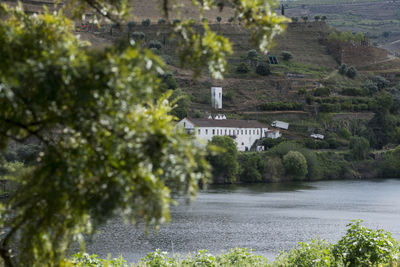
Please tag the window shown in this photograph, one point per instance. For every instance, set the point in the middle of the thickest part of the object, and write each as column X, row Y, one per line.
column 241, row 131
column 206, row 131
column 198, row 131
column 226, row 131
column 254, row 131
column 229, row 132
column 213, row 131
column 184, row 124
column 245, row 131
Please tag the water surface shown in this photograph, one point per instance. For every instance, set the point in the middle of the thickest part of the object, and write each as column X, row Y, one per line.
column 264, row 217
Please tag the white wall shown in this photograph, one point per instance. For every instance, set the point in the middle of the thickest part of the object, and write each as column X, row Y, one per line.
column 216, row 97
column 245, row 137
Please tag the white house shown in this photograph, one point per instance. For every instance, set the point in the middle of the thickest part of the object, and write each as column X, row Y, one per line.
column 243, row 132
column 317, row 136
column 274, row 134
column 280, row 124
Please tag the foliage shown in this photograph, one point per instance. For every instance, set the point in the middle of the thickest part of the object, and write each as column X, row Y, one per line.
column 108, row 146
column 316, row 144
column 286, row 55
column 295, row 19
column 252, row 54
column 146, row 22
column 295, row 165
column 353, row 91
column 252, row 167
column 269, row 142
column 161, row 21
column 322, row 91
column 364, row 247
column 231, row 19
column 242, row 68
column 84, row 259
column 131, row 25
column 317, row 253
column 343, row 69
column 345, row 133
column 391, row 163
column 181, row 103
column 333, row 36
column 225, row 165
column 380, row 82
column 168, row 81
column 219, row 19
column 359, row 147
column 351, row 72
column 155, row 44
column 263, row 69
column 138, row 36
column 317, row 18
column 282, row 106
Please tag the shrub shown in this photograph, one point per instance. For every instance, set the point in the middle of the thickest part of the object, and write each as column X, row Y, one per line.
column 252, row 54
column 324, row 107
column 146, row 22
column 353, row 91
column 252, row 165
column 242, row 68
column 282, row 106
column 343, row 69
column 168, row 81
column 219, row 19
column 371, row 87
column 269, row 142
column 359, row 147
column 263, row 69
column 225, row 165
column 305, row 18
column 131, row 25
column 286, row 55
column 231, row 19
column 322, row 91
column 364, row 247
column 182, row 104
column 323, row 18
column 295, row 165
column 161, row 21
column 176, row 21
column 351, row 72
column 316, row 18
column 138, row 36
column 344, row 133
column 295, row 19
column 317, row 253
column 380, row 82
column 155, row 44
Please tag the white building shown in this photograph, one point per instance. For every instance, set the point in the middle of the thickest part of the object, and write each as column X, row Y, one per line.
column 274, row 134
column 243, row 132
column 216, row 97
column 317, row 136
column 280, row 124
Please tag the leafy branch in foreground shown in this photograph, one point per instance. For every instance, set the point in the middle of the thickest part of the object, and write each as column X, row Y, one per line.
column 109, row 148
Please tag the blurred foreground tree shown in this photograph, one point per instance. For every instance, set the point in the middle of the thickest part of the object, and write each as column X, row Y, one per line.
column 108, row 147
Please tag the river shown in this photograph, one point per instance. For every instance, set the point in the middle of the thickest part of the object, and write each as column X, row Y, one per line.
column 264, row 217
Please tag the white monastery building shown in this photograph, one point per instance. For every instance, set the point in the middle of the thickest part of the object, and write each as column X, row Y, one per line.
column 243, row 132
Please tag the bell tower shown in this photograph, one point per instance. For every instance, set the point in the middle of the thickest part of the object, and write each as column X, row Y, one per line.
column 216, row 97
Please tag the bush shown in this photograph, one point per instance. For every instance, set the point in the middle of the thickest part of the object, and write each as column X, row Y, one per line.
column 317, row 18
column 317, row 253
column 295, row 165
column 252, row 165
column 380, row 82
column 225, row 165
column 131, row 25
column 168, row 81
column 146, row 22
column 242, row 68
column 352, row 91
column 295, row 19
column 263, row 69
column 176, row 21
column 219, row 19
column 182, row 105
column 138, row 36
column 351, row 72
column 329, row 107
column 286, row 55
column 155, row 44
column 343, row 69
column 252, row 54
column 231, row 19
column 161, row 21
column 359, row 147
column 344, row 133
column 270, row 143
column 364, row 247
column 322, row 91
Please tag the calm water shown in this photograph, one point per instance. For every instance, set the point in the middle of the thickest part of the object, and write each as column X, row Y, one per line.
column 266, row 218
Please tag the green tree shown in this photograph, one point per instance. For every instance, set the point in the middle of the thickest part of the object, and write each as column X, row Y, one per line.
column 333, row 36
column 109, row 147
column 263, row 69
column 242, row 68
column 295, row 165
column 181, row 103
column 252, row 167
column 351, row 72
column 359, row 147
column 146, row 22
column 225, row 166
column 219, row 19
column 286, row 55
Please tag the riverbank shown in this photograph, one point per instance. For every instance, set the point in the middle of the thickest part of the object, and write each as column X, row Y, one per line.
column 292, row 161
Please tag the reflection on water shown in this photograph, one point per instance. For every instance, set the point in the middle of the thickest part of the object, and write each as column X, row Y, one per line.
column 264, row 217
